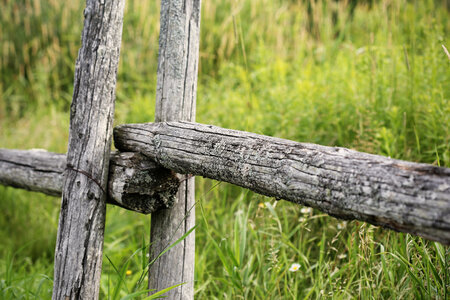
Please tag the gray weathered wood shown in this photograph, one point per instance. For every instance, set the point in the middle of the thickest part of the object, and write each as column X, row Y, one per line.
column 33, row 170
column 175, row 100
column 78, row 253
column 139, row 184
column 404, row 196
column 134, row 181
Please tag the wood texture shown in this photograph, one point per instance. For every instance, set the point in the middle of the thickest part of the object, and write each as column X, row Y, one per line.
column 404, row 196
column 134, row 182
column 139, row 184
column 33, row 170
column 78, row 254
column 175, row 100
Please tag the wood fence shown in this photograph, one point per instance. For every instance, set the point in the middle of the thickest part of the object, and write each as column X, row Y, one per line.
column 395, row 194
column 134, row 182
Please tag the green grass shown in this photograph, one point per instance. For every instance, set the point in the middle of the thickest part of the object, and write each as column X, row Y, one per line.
column 376, row 82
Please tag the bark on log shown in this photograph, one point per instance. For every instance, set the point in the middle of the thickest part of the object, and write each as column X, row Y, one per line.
column 175, row 100
column 403, row 196
column 134, row 182
column 139, row 184
column 78, row 254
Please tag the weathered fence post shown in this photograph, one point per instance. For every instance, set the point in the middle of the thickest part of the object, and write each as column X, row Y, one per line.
column 78, row 254
column 175, row 100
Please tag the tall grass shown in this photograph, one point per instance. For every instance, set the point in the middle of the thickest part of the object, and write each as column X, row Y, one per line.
column 375, row 80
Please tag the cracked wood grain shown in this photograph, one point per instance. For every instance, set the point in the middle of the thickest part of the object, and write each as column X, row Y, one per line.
column 176, row 100
column 134, row 182
column 78, row 253
column 400, row 195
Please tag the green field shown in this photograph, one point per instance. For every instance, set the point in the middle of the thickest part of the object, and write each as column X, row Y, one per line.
column 376, row 80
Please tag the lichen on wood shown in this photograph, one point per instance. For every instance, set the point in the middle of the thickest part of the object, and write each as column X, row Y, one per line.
column 139, row 184
column 135, row 182
column 176, row 100
column 79, row 253
column 400, row 195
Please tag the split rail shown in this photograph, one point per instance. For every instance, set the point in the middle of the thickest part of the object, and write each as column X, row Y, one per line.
column 145, row 176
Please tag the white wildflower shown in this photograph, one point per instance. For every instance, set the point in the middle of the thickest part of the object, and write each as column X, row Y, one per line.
column 342, row 225
column 294, row 267
column 306, row 210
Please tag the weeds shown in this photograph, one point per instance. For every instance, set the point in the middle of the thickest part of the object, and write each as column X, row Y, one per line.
column 375, row 79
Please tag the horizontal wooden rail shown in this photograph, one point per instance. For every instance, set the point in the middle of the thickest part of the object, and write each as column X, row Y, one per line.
column 403, row 196
column 135, row 182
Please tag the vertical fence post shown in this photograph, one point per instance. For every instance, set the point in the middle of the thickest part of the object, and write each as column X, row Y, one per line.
column 78, row 254
column 175, row 101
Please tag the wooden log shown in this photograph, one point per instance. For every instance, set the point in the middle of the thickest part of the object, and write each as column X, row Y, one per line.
column 176, row 100
column 79, row 245
column 139, row 184
column 33, row 170
column 403, row 196
column 135, row 182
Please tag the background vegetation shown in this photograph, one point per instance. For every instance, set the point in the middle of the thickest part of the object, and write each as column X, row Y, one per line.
column 373, row 78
